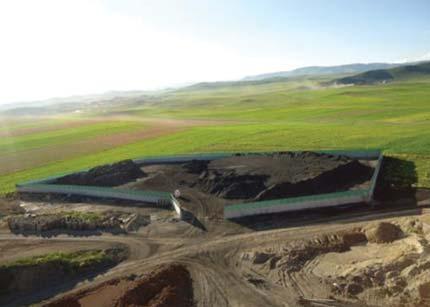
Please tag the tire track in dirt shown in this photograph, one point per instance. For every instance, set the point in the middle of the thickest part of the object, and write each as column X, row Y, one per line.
column 214, row 261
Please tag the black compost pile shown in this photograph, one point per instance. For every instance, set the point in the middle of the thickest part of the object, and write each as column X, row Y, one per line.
column 108, row 175
column 278, row 175
column 341, row 178
column 230, row 185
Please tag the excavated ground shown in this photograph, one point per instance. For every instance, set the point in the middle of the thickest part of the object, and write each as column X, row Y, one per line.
column 370, row 258
column 378, row 265
column 168, row 285
column 358, row 256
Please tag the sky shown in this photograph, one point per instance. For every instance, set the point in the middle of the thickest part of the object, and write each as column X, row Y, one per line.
column 57, row 48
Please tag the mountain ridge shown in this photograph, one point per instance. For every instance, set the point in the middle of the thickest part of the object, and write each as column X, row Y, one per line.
column 324, row 70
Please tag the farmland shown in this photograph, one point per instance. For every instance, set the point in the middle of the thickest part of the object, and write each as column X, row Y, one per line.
column 296, row 114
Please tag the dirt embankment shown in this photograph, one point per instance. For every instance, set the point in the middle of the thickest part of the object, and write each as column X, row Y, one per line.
column 341, row 178
column 168, row 285
column 109, row 175
column 293, row 256
column 380, row 264
column 30, row 277
column 114, row 222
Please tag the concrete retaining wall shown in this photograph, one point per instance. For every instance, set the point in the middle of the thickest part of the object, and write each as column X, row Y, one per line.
column 159, row 199
column 232, row 211
column 295, row 204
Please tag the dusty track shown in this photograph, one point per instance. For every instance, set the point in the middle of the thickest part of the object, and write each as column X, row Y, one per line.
column 212, row 258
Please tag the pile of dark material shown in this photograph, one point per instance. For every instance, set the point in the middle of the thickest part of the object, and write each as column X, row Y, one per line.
column 196, row 166
column 278, row 175
column 340, row 178
column 108, row 175
column 230, row 185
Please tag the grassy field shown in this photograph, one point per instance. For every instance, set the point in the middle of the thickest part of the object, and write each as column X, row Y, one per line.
column 296, row 115
column 70, row 261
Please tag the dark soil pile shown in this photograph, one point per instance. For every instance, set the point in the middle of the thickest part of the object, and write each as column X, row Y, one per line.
column 109, row 175
column 279, row 175
column 383, row 233
column 165, row 286
column 341, row 178
column 196, row 166
column 230, row 185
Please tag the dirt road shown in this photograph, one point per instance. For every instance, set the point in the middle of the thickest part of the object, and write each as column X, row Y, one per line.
column 214, row 259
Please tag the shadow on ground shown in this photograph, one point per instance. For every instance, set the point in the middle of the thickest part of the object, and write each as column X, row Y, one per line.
column 189, row 217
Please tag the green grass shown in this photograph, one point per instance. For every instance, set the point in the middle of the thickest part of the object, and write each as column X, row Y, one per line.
column 70, row 261
column 65, row 135
column 273, row 116
column 83, row 216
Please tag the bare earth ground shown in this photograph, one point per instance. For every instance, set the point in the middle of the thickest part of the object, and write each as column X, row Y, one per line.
column 229, row 267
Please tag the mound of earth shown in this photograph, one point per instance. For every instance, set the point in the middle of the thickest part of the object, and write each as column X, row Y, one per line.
column 343, row 177
column 109, row 175
column 344, row 267
column 296, row 254
column 383, row 233
column 208, row 186
column 72, row 221
column 230, row 185
column 196, row 166
column 165, row 286
column 279, row 175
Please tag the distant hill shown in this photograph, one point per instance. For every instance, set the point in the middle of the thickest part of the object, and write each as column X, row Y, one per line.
column 323, row 70
column 218, row 84
column 387, row 75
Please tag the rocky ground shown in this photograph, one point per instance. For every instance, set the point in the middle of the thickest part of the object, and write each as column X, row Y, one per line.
column 64, row 222
column 378, row 264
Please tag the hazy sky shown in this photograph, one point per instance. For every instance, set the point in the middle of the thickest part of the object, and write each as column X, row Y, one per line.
column 60, row 48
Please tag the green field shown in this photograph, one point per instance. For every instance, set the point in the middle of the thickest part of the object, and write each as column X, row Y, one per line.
column 67, row 261
column 282, row 115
